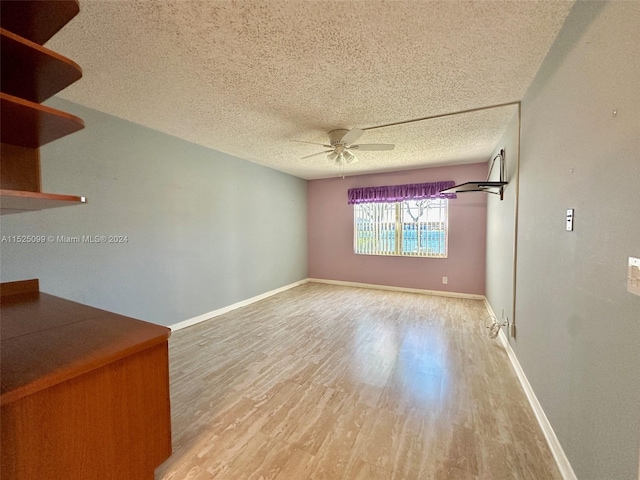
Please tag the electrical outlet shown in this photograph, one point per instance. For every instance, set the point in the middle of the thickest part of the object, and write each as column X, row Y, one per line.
column 445, row 280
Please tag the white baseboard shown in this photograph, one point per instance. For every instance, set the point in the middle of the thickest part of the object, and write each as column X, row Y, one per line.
column 554, row 444
column 206, row 316
column 398, row 289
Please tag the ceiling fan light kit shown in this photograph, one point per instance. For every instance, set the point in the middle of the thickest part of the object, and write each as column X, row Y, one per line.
column 341, row 143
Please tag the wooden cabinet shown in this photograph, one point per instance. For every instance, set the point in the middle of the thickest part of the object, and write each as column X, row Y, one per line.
column 85, row 392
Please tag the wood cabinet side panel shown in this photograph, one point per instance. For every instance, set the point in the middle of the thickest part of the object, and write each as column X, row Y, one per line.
column 112, row 423
column 19, row 168
column 20, row 287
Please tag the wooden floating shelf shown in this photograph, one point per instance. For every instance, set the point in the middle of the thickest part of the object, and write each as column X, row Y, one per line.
column 39, row 20
column 32, row 72
column 15, row 201
column 28, row 124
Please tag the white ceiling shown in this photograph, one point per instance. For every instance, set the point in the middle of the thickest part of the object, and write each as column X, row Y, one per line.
column 246, row 77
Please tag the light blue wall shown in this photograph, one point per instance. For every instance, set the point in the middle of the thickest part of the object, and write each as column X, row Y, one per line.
column 501, row 228
column 205, row 229
column 578, row 329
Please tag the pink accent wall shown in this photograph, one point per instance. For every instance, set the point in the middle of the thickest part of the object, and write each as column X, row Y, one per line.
column 330, row 220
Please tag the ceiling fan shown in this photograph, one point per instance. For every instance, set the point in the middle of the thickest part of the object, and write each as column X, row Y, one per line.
column 341, row 146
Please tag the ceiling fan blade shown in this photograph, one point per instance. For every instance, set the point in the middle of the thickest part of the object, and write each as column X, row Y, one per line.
column 316, row 154
column 311, row 143
column 373, row 147
column 351, row 136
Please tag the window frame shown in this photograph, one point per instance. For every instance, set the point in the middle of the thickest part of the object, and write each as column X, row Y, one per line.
column 399, row 229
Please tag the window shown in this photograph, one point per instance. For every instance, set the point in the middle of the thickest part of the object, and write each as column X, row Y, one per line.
column 411, row 228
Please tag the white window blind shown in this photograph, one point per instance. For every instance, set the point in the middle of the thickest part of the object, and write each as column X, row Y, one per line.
column 414, row 228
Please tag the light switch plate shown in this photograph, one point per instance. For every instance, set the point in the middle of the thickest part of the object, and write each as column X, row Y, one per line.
column 570, row 220
column 633, row 276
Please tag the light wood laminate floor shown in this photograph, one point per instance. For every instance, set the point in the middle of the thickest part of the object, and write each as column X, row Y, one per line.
column 330, row 382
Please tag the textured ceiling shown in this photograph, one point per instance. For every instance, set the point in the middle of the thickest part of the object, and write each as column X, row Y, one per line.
column 246, row 77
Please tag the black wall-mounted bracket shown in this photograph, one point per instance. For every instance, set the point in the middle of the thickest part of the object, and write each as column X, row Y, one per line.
column 496, row 188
